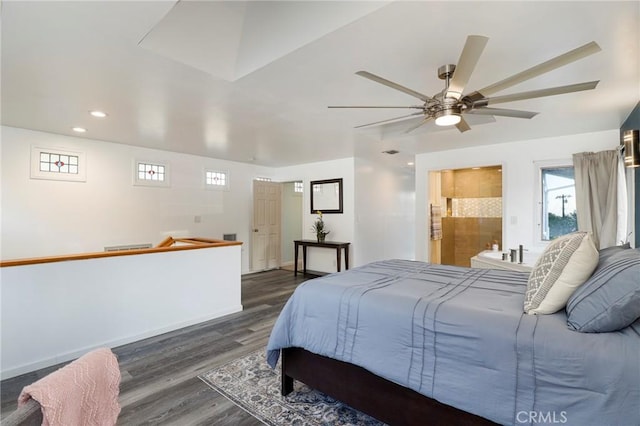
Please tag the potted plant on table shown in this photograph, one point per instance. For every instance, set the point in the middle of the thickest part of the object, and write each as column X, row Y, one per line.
column 318, row 228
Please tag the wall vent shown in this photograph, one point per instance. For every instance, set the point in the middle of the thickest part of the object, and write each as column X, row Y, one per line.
column 229, row 237
column 128, row 247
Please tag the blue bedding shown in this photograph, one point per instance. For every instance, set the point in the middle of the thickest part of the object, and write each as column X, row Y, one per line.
column 459, row 335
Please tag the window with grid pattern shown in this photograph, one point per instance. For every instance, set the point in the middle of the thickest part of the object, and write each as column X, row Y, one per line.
column 57, row 164
column 216, row 179
column 149, row 173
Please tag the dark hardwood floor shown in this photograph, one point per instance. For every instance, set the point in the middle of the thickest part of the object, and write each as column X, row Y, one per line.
column 159, row 375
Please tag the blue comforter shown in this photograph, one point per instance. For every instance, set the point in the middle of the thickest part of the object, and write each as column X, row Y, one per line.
column 460, row 336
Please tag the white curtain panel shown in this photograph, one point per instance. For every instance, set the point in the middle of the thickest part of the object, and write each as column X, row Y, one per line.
column 622, row 233
column 596, row 175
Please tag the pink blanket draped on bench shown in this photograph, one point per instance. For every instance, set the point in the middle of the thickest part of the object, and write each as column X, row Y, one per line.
column 84, row 392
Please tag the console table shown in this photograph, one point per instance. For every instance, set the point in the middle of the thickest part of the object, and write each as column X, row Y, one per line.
column 336, row 245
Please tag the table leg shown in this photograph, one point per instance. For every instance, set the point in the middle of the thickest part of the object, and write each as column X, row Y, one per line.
column 338, row 256
column 304, row 259
column 346, row 258
column 295, row 259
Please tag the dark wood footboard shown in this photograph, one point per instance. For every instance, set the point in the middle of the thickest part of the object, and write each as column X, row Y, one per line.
column 371, row 394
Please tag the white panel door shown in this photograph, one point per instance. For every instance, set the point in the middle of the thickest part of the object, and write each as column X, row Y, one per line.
column 265, row 253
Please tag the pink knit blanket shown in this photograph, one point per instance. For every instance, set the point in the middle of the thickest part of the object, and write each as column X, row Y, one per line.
column 84, row 392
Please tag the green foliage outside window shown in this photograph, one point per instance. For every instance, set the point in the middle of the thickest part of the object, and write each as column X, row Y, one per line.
column 559, row 225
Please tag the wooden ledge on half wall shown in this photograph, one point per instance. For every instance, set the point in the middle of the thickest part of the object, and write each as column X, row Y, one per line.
column 168, row 244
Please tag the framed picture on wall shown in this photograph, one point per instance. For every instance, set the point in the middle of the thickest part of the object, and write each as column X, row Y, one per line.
column 326, row 196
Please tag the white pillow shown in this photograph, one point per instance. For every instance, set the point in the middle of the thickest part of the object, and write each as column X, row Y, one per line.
column 565, row 264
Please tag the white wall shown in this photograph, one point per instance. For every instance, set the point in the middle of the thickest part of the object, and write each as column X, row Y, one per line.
column 379, row 208
column 340, row 225
column 55, row 312
column 385, row 211
column 43, row 217
column 519, row 178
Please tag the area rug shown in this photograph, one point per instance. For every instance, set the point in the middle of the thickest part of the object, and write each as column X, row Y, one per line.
column 252, row 385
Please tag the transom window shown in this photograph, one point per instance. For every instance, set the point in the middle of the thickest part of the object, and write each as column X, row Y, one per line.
column 216, row 179
column 57, row 164
column 298, row 187
column 149, row 173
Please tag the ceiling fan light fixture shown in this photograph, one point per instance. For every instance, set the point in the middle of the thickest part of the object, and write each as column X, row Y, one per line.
column 447, row 106
column 448, row 117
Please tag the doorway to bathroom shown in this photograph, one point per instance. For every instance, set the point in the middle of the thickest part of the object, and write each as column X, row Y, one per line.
column 465, row 213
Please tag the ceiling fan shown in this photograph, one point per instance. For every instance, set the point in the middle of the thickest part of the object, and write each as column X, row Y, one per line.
column 448, row 106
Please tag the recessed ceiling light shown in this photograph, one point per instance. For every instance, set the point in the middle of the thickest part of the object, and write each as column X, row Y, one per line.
column 79, row 129
column 410, row 163
column 98, row 114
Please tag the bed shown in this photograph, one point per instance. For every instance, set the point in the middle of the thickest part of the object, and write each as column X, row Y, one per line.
column 416, row 343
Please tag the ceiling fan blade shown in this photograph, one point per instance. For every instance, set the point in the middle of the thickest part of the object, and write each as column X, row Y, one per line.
column 463, row 126
column 502, row 112
column 393, row 85
column 365, row 106
column 539, row 93
column 466, row 64
column 478, row 119
column 557, row 62
column 397, row 128
column 421, row 123
column 390, row 120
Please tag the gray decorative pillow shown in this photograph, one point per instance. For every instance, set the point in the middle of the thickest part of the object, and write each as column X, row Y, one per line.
column 610, row 299
column 565, row 264
column 606, row 253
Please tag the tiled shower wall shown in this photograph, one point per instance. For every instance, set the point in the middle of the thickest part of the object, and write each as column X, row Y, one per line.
column 474, row 215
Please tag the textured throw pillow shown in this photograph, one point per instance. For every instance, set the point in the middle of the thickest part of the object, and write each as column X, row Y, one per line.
column 565, row 264
column 610, row 299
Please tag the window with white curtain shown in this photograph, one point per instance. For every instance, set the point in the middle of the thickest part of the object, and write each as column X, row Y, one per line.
column 556, row 202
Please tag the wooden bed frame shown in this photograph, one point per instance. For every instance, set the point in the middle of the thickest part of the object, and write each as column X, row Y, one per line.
column 371, row 394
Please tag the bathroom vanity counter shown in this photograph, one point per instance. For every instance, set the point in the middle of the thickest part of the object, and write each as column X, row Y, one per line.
column 489, row 259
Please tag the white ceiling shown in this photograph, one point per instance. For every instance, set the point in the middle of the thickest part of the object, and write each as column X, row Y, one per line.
column 251, row 81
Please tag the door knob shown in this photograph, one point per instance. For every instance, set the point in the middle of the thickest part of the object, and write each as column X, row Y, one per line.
column 255, row 230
